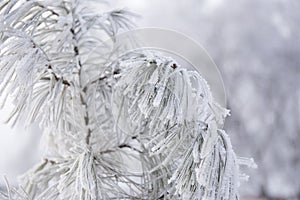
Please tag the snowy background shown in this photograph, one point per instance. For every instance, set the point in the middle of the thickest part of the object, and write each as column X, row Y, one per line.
column 256, row 45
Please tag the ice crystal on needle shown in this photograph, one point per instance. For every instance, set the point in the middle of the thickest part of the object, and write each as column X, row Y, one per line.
column 139, row 127
column 183, row 126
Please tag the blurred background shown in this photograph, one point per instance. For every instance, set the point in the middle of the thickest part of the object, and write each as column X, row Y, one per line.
column 256, row 45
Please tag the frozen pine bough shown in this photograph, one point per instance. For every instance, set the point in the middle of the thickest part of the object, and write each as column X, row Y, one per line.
column 138, row 127
column 178, row 122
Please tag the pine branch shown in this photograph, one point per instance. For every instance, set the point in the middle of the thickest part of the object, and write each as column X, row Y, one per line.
column 98, row 114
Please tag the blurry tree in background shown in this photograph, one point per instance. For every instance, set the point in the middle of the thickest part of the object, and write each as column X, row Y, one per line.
column 258, row 53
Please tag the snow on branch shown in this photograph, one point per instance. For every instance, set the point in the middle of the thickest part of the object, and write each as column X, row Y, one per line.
column 174, row 110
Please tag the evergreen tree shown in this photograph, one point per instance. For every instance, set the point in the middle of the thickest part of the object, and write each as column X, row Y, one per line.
column 139, row 127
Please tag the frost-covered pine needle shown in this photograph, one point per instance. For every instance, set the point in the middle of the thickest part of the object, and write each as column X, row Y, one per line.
column 181, row 123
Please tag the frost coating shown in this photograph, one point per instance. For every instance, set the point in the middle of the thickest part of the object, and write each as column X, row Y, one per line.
column 161, row 138
column 183, row 126
column 53, row 65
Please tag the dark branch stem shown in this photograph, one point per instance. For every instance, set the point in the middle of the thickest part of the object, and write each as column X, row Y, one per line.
column 65, row 82
column 117, row 71
column 83, row 91
column 121, row 146
column 49, row 66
